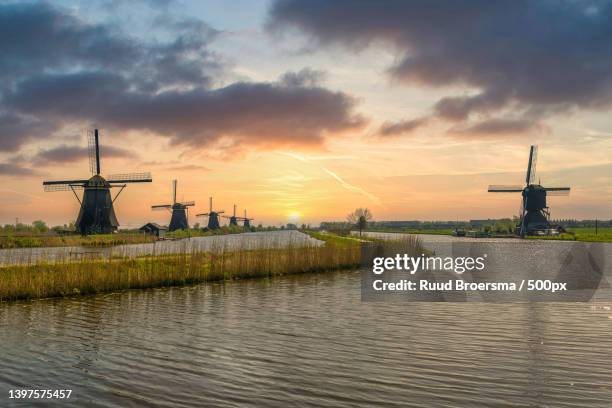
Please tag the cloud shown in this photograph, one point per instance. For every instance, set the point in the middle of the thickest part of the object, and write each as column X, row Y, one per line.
column 262, row 114
column 402, row 127
column 305, row 77
column 72, row 43
column 494, row 127
column 86, row 72
column 63, row 154
column 189, row 167
column 533, row 58
column 13, row 169
column 15, row 129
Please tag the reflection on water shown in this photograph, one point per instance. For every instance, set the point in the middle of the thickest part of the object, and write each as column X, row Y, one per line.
column 305, row 340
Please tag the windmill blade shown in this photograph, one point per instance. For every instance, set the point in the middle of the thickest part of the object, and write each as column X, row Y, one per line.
column 50, row 188
column 187, row 203
column 161, row 207
column 63, row 185
column 202, row 215
column 531, row 167
column 174, row 183
column 505, row 189
column 93, row 150
column 557, row 191
column 130, row 178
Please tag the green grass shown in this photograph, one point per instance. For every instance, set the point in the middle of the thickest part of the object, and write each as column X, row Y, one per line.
column 447, row 231
column 38, row 241
column 333, row 239
column 100, row 240
column 574, row 234
column 190, row 233
column 582, row 234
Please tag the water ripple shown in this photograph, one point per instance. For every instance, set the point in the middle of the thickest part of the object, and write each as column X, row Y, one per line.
column 305, row 341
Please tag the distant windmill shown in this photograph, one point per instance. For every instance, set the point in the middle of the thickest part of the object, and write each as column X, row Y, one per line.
column 213, row 216
column 534, row 211
column 247, row 221
column 233, row 220
column 179, row 211
column 97, row 215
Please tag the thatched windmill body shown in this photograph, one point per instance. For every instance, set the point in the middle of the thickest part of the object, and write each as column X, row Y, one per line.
column 179, row 219
column 534, row 213
column 213, row 216
column 97, row 214
column 233, row 219
column 247, row 221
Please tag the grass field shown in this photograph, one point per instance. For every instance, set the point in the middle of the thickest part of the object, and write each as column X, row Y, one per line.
column 38, row 241
column 583, row 234
column 574, row 234
column 90, row 276
column 447, row 231
column 99, row 240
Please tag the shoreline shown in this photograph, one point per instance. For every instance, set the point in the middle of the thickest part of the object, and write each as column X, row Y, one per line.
column 74, row 278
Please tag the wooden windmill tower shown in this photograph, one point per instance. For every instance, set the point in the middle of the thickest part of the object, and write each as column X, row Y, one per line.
column 247, row 221
column 534, row 215
column 179, row 219
column 213, row 216
column 233, row 220
column 97, row 215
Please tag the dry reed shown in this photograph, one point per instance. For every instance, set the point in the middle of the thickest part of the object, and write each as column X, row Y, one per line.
column 222, row 262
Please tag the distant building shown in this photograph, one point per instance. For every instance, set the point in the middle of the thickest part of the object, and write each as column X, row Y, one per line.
column 154, row 229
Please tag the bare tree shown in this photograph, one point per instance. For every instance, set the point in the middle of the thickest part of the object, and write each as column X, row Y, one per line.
column 360, row 218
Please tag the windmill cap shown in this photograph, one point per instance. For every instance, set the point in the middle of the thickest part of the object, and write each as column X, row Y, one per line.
column 97, row 181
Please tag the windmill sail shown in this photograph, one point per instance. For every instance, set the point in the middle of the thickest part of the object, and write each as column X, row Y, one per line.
column 62, row 187
column 174, row 182
column 130, row 178
column 505, row 189
column 531, row 167
column 94, row 151
column 557, row 191
column 161, row 207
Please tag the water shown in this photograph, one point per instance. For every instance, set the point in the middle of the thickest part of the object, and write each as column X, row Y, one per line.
column 304, row 341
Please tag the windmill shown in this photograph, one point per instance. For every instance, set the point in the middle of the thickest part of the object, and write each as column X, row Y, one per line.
column 213, row 216
column 247, row 221
column 179, row 211
column 97, row 215
column 233, row 220
column 534, row 211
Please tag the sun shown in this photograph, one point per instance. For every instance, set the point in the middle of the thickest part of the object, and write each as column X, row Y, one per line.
column 294, row 216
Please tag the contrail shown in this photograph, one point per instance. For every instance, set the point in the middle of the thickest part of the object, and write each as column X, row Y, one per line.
column 334, row 175
column 352, row 187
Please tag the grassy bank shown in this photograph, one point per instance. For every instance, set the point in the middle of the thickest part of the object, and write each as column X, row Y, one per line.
column 105, row 275
column 101, row 240
column 573, row 234
column 582, row 234
column 39, row 241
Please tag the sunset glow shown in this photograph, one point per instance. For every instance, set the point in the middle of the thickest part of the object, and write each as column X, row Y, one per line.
column 271, row 111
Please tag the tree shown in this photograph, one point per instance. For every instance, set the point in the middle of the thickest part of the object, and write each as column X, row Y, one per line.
column 40, row 226
column 360, row 218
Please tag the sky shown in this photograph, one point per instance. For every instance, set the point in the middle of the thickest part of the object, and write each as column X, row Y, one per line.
column 303, row 110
